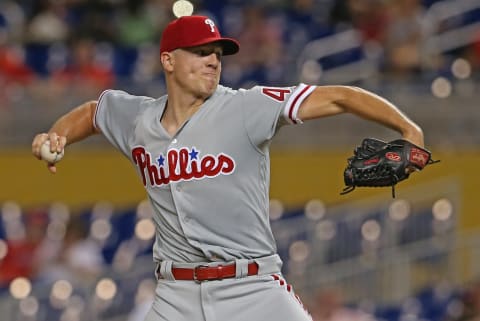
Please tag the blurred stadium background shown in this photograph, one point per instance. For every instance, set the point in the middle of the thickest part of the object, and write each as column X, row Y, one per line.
column 76, row 246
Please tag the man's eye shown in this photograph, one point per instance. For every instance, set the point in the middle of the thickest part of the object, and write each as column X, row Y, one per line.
column 202, row 53
column 206, row 52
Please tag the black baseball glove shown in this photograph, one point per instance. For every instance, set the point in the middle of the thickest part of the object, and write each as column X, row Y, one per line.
column 376, row 163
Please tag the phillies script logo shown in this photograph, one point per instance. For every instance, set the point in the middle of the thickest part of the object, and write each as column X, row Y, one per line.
column 180, row 165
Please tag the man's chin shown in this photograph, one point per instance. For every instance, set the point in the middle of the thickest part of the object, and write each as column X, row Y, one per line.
column 209, row 90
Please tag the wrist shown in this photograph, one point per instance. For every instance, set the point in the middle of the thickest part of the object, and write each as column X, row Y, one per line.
column 414, row 135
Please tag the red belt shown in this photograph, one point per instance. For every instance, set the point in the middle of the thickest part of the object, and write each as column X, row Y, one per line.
column 208, row 273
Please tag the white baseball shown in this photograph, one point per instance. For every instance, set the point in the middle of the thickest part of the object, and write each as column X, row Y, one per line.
column 48, row 156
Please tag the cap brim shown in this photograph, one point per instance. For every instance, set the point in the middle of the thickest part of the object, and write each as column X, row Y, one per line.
column 230, row 46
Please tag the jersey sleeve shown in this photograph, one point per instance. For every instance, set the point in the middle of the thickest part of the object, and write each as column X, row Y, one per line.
column 266, row 109
column 115, row 116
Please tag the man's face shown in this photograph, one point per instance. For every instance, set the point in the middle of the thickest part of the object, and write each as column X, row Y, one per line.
column 197, row 69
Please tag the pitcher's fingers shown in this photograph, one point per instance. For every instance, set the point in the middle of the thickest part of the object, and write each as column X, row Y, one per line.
column 52, row 168
column 37, row 143
column 53, row 137
column 62, row 142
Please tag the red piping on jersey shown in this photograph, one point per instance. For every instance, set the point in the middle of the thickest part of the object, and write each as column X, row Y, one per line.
column 290, row 112
column 96, row 108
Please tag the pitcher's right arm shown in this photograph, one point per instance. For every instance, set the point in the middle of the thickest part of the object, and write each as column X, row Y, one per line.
column 72, row 127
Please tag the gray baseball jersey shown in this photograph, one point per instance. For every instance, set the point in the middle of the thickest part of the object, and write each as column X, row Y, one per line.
column 209, row 183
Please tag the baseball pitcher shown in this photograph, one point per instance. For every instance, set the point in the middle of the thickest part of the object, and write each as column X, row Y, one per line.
column 202, row 153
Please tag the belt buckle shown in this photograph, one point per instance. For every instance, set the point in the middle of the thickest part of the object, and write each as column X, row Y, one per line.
column 195, row 269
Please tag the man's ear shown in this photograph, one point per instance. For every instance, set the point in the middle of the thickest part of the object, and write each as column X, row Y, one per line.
column 167, row 60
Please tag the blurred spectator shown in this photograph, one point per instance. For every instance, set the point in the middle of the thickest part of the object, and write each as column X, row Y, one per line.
column 160, row 13
column 404, row 36
column 471, row 304
column 12, row 66
column 305, row 20
column 262, row 47
column 88, row 71
column 13, row 18
column 307, row 14
column 82, row 254
column 14, row 73
column 428, row 3
column 253, row 36
column 134, row 28
column 370, row 18
column 79, row 259
column 472, row 53
column 92, row 18
column 340, row 14
column 134, row 25
column 329, row 305
column 46, row 27
column 21, row 248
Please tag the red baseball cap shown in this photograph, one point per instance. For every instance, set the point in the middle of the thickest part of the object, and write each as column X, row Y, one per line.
column 191, row 31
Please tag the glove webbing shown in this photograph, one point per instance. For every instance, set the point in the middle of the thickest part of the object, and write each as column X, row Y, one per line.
column 374, row 174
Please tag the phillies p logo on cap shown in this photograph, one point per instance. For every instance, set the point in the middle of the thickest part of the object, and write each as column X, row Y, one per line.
column 211, row 23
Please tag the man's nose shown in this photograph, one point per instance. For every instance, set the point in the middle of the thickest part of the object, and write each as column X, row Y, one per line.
column 213, row 60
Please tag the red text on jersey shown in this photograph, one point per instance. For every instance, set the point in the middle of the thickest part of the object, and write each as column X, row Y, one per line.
column 179, row 165
column 276, row 93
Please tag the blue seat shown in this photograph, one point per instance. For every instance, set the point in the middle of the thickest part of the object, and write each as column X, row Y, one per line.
column 124, row 61
column 388, row 313
column 36, row 57
column 435, row 301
